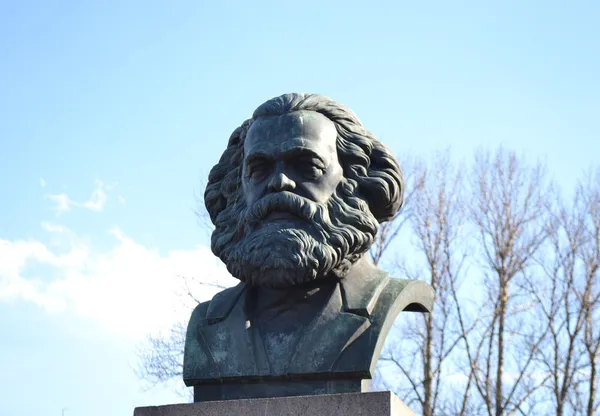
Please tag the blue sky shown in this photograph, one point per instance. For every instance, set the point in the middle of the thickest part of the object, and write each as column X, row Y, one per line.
column 112, row 113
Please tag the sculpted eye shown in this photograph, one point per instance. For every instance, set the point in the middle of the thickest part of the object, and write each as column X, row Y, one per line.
column 258, row 168
column 311, row 171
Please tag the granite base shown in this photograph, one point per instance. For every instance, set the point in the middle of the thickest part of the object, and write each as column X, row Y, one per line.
column 382, row 403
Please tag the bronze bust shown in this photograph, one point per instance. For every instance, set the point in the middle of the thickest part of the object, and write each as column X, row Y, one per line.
column 296, row 200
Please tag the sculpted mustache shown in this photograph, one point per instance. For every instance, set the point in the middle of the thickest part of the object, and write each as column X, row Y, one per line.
column 281, row 202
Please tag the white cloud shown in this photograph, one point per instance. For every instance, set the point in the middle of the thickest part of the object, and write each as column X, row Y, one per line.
column 129, row 289
column 63, row 203
column 42, row 182
column 55, row 228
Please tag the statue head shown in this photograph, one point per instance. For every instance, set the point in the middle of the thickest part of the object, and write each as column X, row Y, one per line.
column 299, row 192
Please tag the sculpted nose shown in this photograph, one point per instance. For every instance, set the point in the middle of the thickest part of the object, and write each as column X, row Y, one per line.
column 281, row 183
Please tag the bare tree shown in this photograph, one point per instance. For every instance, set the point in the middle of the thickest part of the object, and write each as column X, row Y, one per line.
column 160, row 356
column 507, row 211
column 556, row 291
column 428, row 340
column 590, row 296
column 568, row 298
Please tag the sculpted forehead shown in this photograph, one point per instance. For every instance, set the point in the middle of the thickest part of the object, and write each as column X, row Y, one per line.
column 276, row 134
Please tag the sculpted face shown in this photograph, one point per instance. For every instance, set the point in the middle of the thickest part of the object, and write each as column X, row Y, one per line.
column 297, row 218
column 294, row 152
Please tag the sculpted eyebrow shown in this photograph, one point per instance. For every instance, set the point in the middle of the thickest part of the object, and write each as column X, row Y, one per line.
column 300, row 152
column 258, row 156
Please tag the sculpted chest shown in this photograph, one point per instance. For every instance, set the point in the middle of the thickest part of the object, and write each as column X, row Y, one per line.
column 225, row 355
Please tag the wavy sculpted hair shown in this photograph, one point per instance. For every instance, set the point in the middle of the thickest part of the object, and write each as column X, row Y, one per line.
column 368, row 166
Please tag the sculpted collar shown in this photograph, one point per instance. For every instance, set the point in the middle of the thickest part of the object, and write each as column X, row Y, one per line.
column 359, row 295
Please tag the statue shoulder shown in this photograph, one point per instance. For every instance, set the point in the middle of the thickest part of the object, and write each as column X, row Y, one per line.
column 412, row 295
column 198, row 361
column 372, row 288
column 216, row 309
column 383, row 298
column 198, row 317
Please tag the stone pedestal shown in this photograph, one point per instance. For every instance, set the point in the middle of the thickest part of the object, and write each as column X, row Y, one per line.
column 382, row 403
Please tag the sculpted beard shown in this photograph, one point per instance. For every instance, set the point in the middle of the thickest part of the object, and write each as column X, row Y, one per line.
column 324, row 241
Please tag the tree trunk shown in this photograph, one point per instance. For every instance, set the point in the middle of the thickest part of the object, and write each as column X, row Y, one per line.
column 501, row 323
column 593, row 386
column 427, row 373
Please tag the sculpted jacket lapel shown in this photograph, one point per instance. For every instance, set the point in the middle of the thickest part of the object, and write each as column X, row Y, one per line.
column 326, row 337
column 227, row 337
column 344, row 318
